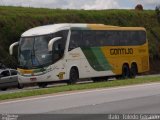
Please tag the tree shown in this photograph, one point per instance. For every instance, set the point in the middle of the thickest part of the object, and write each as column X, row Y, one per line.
column 139, row 7
column 157, row 10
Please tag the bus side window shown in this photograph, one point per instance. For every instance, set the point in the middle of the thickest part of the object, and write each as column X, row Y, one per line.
column 142, row 37
column 75, row 39
column 124, row 38
column 62, row 43
column 89, row 38
column 57, row 51
column 100, row 38
column 133, row 38
column 112, row 38
column 59, row 45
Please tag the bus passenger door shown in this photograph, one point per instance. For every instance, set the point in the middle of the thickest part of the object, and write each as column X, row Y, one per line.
column 60, row 70
column 59, row 63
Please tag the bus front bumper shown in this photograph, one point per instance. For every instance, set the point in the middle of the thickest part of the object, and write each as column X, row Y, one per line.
column 34, row 79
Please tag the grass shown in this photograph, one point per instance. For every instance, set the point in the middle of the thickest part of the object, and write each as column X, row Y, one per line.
column 87, row 86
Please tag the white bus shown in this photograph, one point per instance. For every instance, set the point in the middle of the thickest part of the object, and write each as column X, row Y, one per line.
column 73, row 51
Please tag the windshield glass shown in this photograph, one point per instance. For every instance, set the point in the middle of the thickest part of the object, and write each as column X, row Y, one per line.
column 33, row 51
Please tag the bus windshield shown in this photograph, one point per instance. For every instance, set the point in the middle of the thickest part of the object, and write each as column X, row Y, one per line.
column 33, row 51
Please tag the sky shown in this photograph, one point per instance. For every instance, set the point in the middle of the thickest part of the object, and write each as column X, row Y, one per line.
column 82, row 4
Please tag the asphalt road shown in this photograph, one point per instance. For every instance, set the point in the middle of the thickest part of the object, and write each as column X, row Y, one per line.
column 131, row 99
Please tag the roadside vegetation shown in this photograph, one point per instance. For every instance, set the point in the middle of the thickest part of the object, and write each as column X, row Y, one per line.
column 84, row 86
column 15, row 20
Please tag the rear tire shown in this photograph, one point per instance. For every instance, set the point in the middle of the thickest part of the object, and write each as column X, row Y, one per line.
column 42, row 85
column 74, row 76
column 125, row 72
column 133, row 71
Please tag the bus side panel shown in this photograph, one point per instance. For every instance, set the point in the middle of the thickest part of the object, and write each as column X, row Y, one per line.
column 142, row 56
column 88, row 63
column 119, row 55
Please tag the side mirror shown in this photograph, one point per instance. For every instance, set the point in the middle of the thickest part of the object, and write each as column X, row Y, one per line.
column 51, row 42
column 12, row 46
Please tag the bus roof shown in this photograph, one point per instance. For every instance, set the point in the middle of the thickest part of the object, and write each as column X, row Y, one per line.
column 48, row 29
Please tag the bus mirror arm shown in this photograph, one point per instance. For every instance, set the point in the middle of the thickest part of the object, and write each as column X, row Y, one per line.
column 51, row 42
column 12, row 46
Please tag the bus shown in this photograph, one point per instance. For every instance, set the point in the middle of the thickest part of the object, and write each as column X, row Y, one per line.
column 75, row 51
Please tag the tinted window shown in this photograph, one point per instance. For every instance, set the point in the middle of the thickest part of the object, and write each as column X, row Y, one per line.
column 5, row 73
column 123, row 38
column 89, row 38
column 59, row 45
column 112, row 38
column 100, row 38
column 13, row 72
column 75, row 39
column 137, row 38
column 62, row 41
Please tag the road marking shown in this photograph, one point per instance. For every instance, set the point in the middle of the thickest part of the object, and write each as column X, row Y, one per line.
column 76, row 93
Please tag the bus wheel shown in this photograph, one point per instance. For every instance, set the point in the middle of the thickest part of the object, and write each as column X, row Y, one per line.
column 125, row 71
column 133, row 71
column 74, row 76
column 42, row 85
column 20, row 86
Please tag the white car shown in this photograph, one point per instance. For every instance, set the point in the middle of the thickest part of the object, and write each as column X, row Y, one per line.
column 8, row 79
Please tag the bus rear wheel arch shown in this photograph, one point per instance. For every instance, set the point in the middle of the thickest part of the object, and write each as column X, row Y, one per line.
column 73, row 76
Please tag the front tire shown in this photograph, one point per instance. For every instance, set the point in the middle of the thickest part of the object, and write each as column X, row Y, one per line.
column 74, row 76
